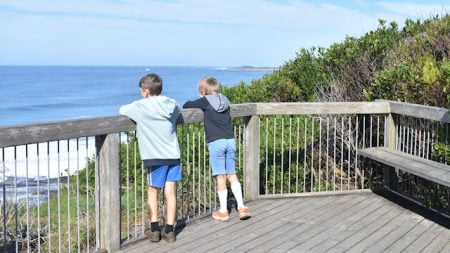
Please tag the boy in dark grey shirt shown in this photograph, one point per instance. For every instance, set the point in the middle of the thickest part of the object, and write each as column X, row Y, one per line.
column 221, row 144
column 217, row 116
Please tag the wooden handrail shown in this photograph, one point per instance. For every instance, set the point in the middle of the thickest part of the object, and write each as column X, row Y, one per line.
column 53, row 131
column 420, row 111
column 62, row 130
column 330, row 108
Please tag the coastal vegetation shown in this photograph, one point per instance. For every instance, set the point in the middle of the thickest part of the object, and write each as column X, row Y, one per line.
column 409, row 63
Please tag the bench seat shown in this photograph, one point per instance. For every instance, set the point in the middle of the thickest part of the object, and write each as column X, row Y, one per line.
column 433, row 171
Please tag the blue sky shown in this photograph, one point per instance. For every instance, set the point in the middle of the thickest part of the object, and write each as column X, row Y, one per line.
column 186, row 33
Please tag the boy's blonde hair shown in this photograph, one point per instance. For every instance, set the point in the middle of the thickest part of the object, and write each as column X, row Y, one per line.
column 209, row 85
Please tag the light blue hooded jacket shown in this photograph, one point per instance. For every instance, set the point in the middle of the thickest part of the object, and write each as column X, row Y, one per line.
column 156, row 118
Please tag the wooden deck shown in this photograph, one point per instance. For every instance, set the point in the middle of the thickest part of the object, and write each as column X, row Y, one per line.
column 346, row 223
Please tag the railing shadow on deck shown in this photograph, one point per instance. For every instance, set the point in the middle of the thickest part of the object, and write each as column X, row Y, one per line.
column 284, row 150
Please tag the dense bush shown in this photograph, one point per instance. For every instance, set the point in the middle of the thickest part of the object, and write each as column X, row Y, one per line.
column 294, row 81
column 409, row 63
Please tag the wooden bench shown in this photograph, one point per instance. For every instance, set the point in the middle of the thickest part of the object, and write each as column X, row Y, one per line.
column 433, row 171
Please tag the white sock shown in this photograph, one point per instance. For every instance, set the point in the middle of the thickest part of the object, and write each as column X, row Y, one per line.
column 223, row 200
column 237, row 192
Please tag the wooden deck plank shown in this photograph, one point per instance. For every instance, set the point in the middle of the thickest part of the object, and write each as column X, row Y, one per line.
column 361, row 234
column 355, row 223
column 205, row 222
column 201, row 224
column 446, row 248
column 380, row 233
column 216, row 240
column 306, row 230
column 272, row 240
column 426, row 238
column 302, row 217
column 218, row 227
column 409, row 237
column 439, row 242
column 327, row 230
column 395, row 235
column 334, row 240
column 190, row 239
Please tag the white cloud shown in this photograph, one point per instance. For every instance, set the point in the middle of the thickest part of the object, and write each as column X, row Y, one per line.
column 252, row 13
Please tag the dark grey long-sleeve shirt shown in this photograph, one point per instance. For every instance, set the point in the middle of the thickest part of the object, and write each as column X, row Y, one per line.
column 217, row 117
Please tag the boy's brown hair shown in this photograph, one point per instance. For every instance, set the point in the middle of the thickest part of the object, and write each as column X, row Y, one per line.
column 209, row 85
column 152, row 83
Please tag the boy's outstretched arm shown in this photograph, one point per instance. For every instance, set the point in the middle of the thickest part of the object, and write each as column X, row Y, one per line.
column 129, row 110
column 200, row 103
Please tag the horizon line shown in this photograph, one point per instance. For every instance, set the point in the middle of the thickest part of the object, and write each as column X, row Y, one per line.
column 113, row 65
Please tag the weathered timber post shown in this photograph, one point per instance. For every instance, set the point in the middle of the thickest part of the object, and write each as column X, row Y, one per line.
column 108, row 191
column 251, row 159
column 390, row 137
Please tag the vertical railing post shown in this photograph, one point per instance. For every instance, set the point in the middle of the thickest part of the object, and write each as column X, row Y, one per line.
column 251, row 159
column 108, row 191
column 390, row 135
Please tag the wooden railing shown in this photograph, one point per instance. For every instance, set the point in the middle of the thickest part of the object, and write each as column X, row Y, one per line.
column 423, row 132
column 288, row 149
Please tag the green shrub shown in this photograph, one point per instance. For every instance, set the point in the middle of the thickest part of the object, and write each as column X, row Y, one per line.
column 406, row 64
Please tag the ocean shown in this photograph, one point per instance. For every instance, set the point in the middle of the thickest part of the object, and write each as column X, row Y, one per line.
column 32, row 94
column 35, row 94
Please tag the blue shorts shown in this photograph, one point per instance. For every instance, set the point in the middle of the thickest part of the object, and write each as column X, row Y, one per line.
column 157, row 176
column 222, row 154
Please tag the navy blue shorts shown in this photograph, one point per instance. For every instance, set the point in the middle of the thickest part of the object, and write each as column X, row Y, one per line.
column 158, row 175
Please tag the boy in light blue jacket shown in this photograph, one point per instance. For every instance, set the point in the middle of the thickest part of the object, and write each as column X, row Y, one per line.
column 155, row 116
